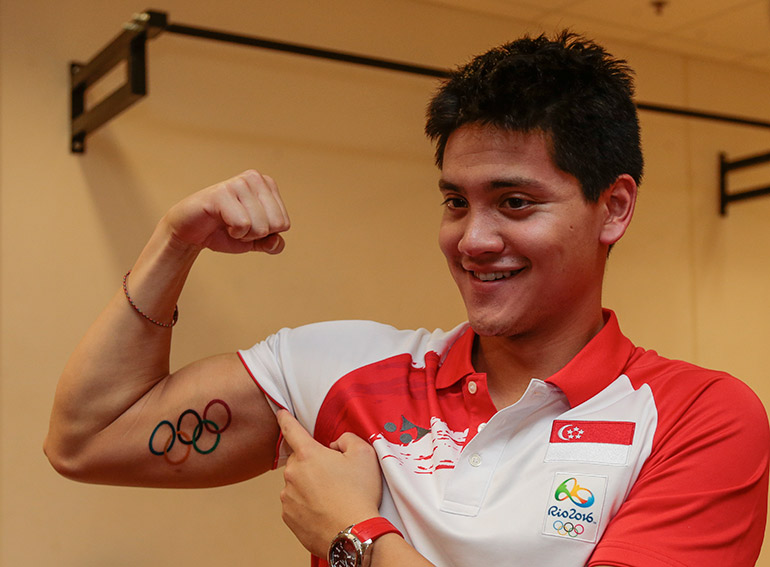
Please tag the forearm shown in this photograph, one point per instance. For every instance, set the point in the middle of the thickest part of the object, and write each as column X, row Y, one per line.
column 122, row 355
column 392, row 550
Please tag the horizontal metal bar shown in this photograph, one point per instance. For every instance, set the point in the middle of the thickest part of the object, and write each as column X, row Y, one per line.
column 730, row 165
column 108, row 108
column 703, row 114
column 298, row 49
column 414, row 69
column 149, row 23
column 747, row 194
column 87, row 74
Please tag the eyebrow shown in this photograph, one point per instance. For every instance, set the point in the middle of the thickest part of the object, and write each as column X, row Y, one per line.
column 502, row 183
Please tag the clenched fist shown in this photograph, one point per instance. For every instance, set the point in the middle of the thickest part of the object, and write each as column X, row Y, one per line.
column 243, row 214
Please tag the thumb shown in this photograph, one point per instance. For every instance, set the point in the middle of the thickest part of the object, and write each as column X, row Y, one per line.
column 272, row 244
column 349, row 442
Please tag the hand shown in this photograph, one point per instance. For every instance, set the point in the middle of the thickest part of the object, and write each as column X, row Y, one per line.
column 242, row 214
column 327, row 489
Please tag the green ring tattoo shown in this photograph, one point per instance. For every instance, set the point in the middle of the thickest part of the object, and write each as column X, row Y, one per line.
column 197, row 430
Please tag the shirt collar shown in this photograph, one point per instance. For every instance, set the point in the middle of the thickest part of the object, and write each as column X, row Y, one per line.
column 597, row 365
column 594, row 368
column 457, row 364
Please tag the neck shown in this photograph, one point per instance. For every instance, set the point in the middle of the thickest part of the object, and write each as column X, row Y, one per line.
column 511, row 362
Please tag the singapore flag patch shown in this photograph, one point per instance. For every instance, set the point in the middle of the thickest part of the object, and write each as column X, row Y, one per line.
column 602, row 442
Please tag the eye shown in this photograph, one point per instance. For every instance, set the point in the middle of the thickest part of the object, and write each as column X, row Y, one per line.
column 454, row 202
column 516, row 203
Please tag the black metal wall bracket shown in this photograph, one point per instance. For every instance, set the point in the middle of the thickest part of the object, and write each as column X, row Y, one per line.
column 725, row 167
column 128, row 46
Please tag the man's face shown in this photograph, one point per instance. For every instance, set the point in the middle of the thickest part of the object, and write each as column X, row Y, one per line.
column 521, row 241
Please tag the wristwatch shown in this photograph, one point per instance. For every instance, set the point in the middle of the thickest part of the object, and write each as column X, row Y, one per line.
column 349, row 548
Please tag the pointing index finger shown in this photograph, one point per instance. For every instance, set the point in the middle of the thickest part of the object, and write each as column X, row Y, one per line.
column 293, row 432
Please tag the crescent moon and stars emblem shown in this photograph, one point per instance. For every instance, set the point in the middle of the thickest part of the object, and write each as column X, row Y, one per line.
column 570, row 432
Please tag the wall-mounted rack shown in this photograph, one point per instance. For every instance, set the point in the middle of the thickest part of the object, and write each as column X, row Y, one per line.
column 726, row 166
column 130, row 47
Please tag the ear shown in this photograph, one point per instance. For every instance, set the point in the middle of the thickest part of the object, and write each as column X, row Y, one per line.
column 618, row 202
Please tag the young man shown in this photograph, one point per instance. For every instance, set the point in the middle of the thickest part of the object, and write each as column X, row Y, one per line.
column 534, row 434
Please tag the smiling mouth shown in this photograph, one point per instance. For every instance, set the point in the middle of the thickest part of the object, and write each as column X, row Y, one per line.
column 494, row 276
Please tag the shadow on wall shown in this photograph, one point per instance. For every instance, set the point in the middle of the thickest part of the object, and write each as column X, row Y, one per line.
column 119, row 198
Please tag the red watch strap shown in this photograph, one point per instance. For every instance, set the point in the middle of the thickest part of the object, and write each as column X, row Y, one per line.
column 373, row 528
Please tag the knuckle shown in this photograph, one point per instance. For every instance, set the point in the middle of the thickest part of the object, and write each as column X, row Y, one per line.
column 260, row 231
column 291, row 471
column 229, row 188
column 237, row 229
column 252, row 179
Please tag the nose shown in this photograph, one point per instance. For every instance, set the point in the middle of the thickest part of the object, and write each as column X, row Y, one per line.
column 480, row 235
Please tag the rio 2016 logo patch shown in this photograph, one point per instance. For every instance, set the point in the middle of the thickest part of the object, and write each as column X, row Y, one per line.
column 575, row 505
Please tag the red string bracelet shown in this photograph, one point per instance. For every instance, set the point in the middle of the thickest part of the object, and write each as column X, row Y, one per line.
column 150, row 319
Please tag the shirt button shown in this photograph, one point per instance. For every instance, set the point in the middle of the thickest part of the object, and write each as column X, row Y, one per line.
column 472, row 388
column 481, row 427
column 475, row 460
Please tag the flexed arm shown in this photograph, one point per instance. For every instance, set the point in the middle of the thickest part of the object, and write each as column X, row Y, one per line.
column 120, row 416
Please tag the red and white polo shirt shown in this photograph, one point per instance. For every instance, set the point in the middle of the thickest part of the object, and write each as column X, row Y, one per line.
column 621, row 458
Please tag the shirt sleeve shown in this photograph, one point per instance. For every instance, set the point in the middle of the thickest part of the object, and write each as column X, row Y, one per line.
column 701, row 497
column 296, row 368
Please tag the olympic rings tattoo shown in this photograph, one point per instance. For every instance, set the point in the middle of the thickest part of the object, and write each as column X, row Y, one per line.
column 190, row 441
column 568, row 528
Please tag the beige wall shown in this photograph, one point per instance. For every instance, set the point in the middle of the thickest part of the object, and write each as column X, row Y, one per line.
column 346, row 145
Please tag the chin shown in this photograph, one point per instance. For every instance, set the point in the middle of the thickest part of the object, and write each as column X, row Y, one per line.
column 491, row 328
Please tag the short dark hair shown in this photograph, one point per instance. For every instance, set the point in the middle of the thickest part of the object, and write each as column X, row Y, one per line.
column 567, row 87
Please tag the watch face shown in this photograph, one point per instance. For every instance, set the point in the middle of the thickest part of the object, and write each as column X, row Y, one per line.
column 343, row 554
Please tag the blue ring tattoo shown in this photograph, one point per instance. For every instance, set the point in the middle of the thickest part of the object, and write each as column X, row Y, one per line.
column 173, row 437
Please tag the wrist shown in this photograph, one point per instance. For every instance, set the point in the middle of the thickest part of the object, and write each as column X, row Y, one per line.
column 353, row 544
column 171, row 242
column 158, row 276
column 378, row 550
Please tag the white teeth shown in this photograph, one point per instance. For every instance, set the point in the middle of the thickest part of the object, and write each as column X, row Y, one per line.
column 491, row 276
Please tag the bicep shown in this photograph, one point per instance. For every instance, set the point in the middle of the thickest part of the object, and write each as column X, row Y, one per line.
column 207, row 424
